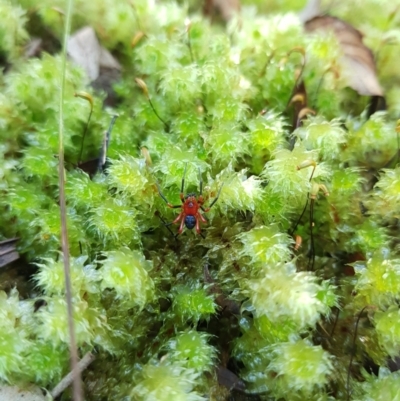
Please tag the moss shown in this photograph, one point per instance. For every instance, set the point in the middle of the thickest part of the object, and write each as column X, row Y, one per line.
column 164, row 312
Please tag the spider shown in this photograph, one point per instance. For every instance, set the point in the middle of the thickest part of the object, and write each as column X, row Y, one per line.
column 190, row 216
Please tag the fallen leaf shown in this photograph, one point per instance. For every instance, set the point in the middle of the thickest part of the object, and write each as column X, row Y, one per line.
column 84, row 50
column 229, row 380
column 312, row 9
column 8, row 252
column 358, row 64
column 33, row 48
column 107, row 60
column 225, row 9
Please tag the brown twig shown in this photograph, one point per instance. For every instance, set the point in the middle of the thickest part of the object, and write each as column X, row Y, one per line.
column 68, row 379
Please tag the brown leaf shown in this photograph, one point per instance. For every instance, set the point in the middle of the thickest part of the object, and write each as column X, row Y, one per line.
column 33, row 47
column 358, row 64
column 311, row 10
column 84, row 49
column 229, row 380
column 225, row 9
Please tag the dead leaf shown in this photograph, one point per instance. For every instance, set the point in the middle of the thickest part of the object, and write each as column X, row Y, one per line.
column 107, row 60
column 229, row 380
column 84, row 49
column 311, row 10
column 8, row 252
column 225, row 9
column 358, row 64
column 33, row 48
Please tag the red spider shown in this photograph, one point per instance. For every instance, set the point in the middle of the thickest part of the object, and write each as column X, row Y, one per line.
column 190, row 216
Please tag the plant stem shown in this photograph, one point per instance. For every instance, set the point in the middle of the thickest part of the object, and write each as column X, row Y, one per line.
column 77, row 388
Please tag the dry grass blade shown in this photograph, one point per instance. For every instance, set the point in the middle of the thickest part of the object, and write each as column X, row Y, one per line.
column 77, row 388
column 358, row 64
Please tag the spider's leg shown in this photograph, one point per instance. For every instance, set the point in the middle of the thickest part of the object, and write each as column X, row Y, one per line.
column 165, row 199
column 165, row 223
column 201, row 217
column 214, row 201
column 200, row 198
column 182, row 216
column 198, row 228
column 200, row 183
column 182, row 196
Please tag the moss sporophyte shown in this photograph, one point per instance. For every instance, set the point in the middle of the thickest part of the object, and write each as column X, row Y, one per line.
column 256, row 281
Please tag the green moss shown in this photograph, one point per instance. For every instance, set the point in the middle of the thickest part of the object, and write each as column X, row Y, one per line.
column 382, row 388
column 266, row 245
column 164, row 312
column 293, row 373
column 126, row 272
column 388, row 330
column 192, row 350
column 163, row 382
column 302, row 302
column 12, row 32
column 84, row 278
column 385, row 198
column 379, row 142
column 14, row 338
column 192, row 303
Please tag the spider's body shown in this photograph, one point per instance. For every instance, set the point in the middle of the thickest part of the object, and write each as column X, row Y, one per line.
column 191, row 207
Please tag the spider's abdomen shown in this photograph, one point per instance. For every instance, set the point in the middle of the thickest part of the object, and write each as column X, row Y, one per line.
column 190, row 222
